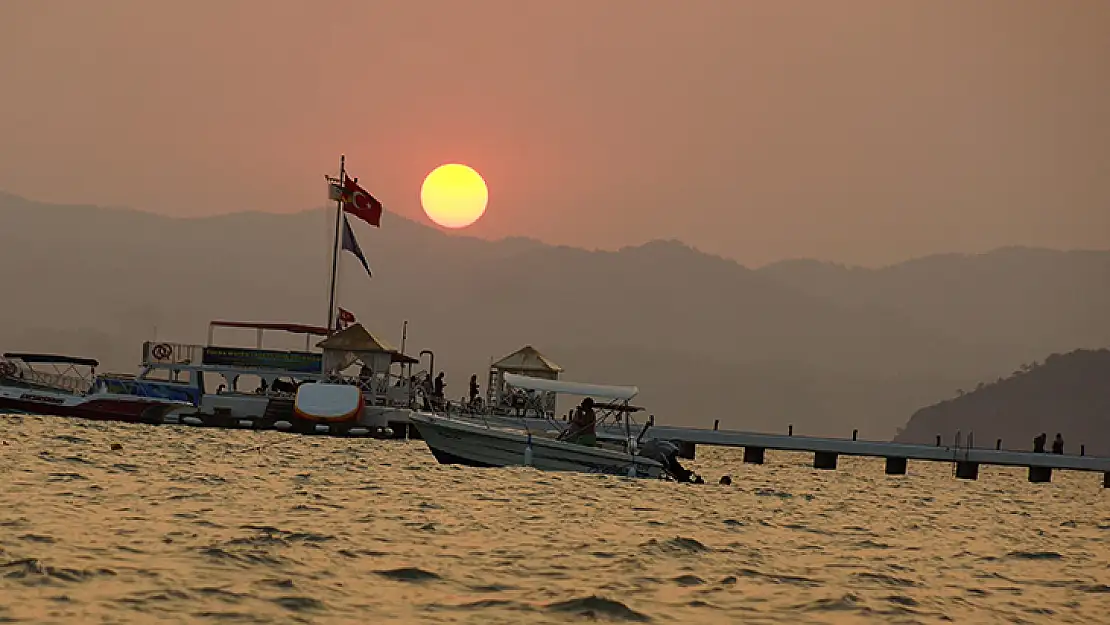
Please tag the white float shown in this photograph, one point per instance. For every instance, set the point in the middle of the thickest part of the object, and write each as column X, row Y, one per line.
column 328, row 402
column 282, row 425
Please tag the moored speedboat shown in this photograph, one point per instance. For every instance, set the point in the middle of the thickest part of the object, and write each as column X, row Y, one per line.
column 67, row 386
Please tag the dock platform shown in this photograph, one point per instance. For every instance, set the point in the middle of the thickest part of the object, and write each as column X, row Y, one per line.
column 826, row 451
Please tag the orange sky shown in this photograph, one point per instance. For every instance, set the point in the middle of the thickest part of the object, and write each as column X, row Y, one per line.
column 864, row 132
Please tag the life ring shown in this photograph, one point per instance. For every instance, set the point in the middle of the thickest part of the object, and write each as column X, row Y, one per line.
column 161, row 351
column 8, row 369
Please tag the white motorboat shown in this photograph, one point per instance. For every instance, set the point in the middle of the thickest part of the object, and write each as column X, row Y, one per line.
column 489, row 441
column 454, row 441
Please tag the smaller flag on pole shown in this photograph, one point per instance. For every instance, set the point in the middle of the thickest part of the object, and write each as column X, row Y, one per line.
column 351, row 245
column 335, row 192
column 343, row 319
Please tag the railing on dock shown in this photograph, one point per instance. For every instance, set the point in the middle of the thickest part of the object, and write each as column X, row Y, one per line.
column 163, row 353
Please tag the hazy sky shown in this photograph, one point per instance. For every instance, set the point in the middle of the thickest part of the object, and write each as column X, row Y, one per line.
column 863, row 132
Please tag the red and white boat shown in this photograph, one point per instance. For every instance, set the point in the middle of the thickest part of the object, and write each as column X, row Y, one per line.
column 66, row 386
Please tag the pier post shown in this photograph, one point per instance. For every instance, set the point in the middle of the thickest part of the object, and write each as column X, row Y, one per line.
column 1082, row 450
column 895, row 466
column 824, row 460
column 753, row 455
column 938, row 440
column 716, row 424
column 790, row 430
column 1040, row 475
column 855, row 433
column 998, row 444
column 966, row 470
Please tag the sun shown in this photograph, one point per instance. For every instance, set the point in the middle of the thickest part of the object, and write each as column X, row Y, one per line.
column 454, row 195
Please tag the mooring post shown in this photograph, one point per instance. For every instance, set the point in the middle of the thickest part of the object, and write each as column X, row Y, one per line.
column 855, row 433
column 824, row 460
column 716, row 424
column 895, row 466
column 998, row 444
column 753, row 455
column 1040, row 475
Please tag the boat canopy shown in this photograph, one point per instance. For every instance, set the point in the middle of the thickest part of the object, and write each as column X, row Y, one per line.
column 580, row 389
column 52, row 359
column 294, row 328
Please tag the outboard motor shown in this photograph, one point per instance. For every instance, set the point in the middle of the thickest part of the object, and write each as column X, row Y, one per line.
column 666, row 453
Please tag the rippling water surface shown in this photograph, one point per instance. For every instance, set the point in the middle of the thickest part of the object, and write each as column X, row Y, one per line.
column 214, row 526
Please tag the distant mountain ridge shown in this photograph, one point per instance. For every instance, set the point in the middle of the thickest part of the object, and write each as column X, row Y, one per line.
column 1067, row 393
column 826, row 349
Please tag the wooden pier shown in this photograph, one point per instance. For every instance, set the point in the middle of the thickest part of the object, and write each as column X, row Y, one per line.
column 826, row 451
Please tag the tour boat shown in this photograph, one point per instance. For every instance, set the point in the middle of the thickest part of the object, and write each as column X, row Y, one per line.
column 304, row 392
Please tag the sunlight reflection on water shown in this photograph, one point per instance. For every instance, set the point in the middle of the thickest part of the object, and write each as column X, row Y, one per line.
column 205, row 525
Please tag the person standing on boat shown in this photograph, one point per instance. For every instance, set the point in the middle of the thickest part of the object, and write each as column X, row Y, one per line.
column 438, row 392
column 474, row 390
column 582, row 428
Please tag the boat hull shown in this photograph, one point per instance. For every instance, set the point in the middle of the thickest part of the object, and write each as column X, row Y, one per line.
column 453, row 441
column 95, row 407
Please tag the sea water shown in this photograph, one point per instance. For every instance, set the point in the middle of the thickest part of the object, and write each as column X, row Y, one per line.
column 189, row 525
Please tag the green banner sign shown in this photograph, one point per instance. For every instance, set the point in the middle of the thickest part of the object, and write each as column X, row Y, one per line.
column 294, row 362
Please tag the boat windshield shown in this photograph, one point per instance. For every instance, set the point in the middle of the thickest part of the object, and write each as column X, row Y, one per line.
column 149, row 388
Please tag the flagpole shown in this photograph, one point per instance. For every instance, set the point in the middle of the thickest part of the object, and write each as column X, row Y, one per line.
column 335, row 245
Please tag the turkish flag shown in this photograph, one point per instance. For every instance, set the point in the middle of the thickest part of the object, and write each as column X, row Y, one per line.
column 361, row 204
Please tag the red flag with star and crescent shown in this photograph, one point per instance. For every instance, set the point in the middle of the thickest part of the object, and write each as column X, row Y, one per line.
column 358, row 202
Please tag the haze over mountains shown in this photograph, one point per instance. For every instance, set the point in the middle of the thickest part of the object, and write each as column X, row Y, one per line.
column 1066, row 393
column 824, row 347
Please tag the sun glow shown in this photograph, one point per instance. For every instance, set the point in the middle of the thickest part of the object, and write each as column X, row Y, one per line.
column 454, row 195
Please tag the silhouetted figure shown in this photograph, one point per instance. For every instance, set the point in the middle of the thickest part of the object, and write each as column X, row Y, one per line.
column 1058, row 444
column 439, row 386
column 281, row 386
column 427, row 393
column 582, row 428
column 473, row 389
column 1038, row 443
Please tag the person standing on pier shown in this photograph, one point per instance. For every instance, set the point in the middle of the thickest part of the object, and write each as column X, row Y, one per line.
column 1058, row 444
column 1038, row 443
